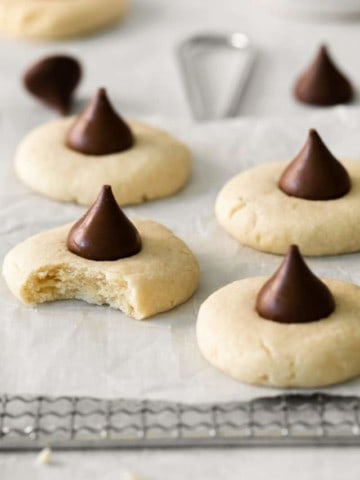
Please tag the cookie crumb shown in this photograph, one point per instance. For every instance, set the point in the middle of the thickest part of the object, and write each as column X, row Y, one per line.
column 130, row 476
column 44, row 457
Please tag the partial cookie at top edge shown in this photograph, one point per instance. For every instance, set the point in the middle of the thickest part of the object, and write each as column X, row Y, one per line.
column 60, row 20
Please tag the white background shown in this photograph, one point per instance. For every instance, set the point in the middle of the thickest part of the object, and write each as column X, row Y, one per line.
column 137, row 62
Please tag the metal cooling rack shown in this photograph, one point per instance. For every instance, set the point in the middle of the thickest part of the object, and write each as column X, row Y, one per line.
column 72, row 423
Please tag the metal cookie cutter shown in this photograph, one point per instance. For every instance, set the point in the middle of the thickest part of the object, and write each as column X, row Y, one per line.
column 187, row 55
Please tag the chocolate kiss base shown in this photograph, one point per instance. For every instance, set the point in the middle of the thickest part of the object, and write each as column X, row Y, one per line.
column 294, row 294
column 323, row 84
column 315, row 174
column 99, row 130
column 104, row 233
column 53, row 81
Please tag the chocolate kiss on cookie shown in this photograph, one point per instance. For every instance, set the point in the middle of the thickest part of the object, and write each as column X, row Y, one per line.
column 53, row 81
column 315, row 174
column 294, row 294
column 323, row 83
column 104, row 232
column 100, row 130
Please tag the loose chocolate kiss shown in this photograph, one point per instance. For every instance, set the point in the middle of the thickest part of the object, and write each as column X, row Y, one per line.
column 294, row 294
column 315, row 174
column 323, row 83
column 53, row 81
column 99, row 130
column 104, row 232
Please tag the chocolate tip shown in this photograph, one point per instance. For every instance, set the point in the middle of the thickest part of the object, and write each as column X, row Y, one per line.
column 314, row 135
column 315, row 174
column 99, row 129
column 294, row 249
column 323, row 48
column 294, row 294
column 104, row 233
column 107, row 194
column 101, row 92
column 324, row 56
column 294, row 254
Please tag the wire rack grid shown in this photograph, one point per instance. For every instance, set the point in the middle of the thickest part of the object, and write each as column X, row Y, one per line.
column 76, row 422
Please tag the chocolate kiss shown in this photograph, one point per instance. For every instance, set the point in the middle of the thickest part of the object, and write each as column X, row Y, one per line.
column 323, row 83
column 99, row 130
column 104, row 232
column 315, row 174
column 53, row 80
column 294, row 294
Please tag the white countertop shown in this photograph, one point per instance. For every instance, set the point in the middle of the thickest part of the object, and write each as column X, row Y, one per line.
column 136, row 61
column 231, row 464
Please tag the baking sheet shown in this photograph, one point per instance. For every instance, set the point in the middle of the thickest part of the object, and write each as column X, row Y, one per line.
column 72, row 348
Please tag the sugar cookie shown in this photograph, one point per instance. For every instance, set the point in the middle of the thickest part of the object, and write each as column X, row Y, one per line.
column 58, row 19
column 299, row 349
column 141, row 268
column 254, row 208
column 151, row 164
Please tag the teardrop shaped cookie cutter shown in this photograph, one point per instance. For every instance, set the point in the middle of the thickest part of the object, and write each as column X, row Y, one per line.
column 235, row 41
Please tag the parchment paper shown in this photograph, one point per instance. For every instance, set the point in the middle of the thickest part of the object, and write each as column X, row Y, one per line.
column 71, row 347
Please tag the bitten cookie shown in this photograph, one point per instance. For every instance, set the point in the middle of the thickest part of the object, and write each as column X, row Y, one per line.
column 70, row 159
column 312, row 202
column 141, row 268
column 291, row 349
column 58, row 19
